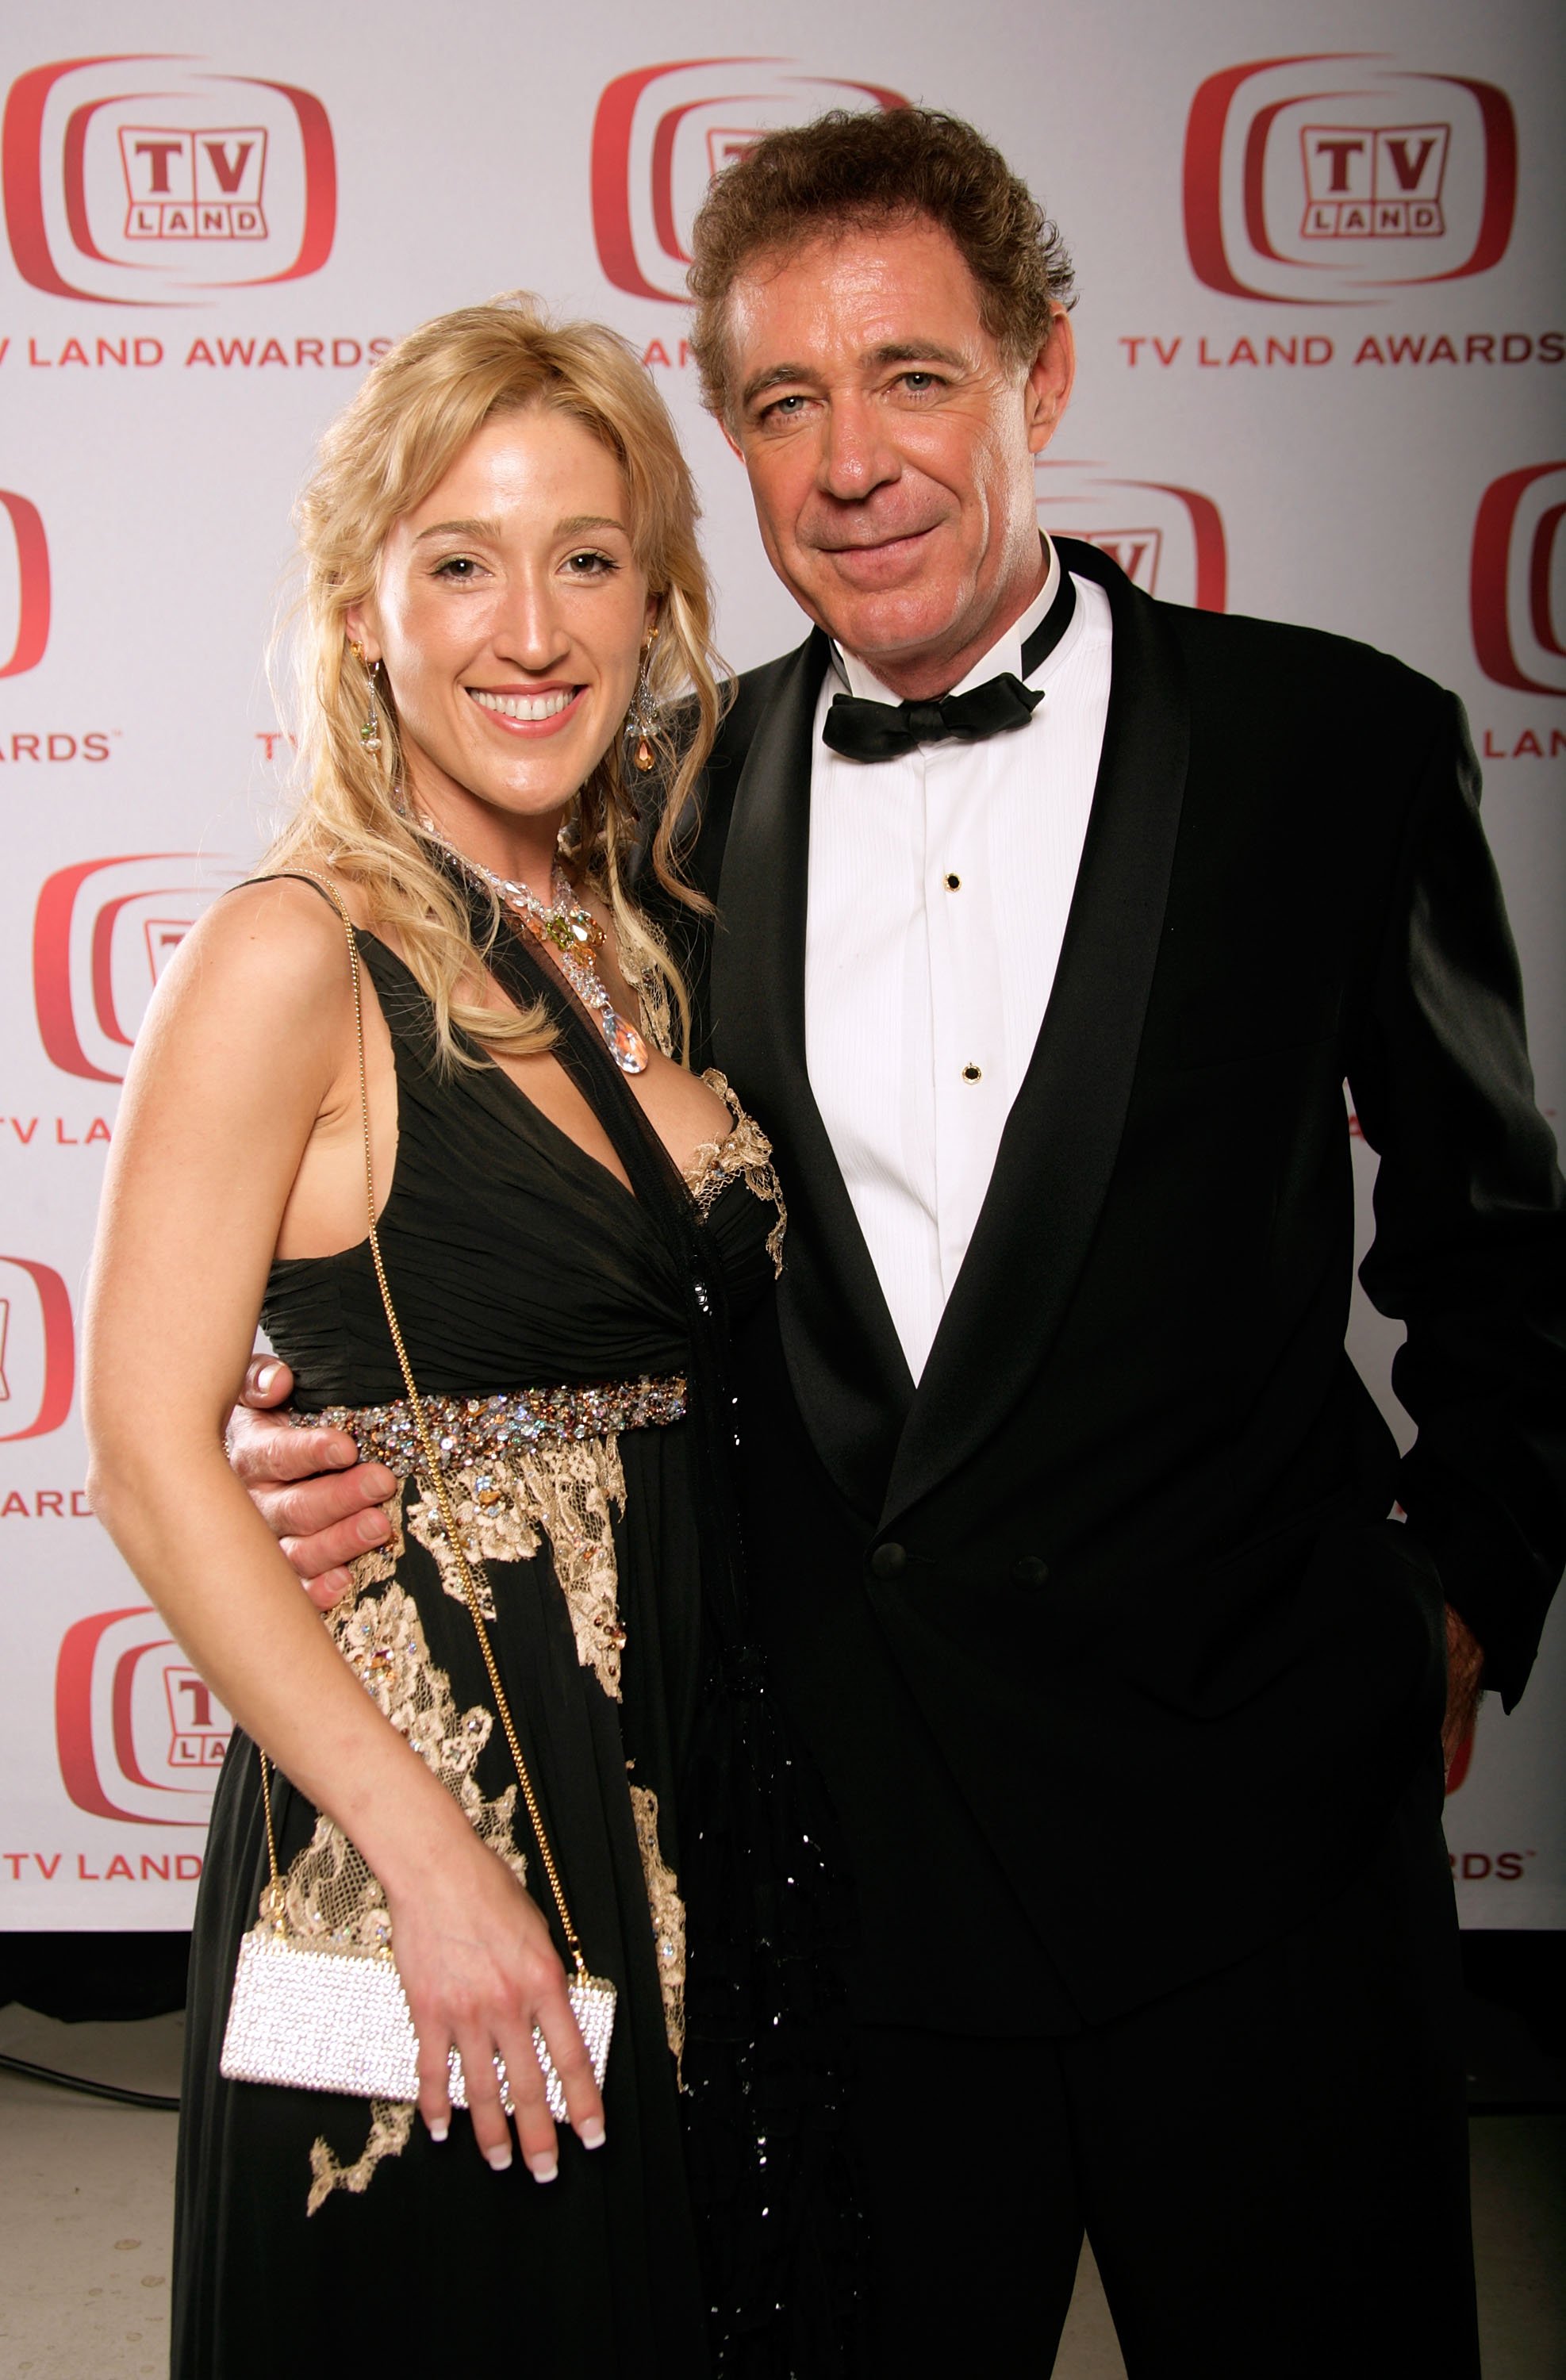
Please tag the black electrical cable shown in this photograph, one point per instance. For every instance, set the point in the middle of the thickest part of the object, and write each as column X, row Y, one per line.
column 82, row 2082
column 161, row 2100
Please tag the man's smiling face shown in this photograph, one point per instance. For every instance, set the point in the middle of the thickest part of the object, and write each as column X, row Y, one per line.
column 890, row 446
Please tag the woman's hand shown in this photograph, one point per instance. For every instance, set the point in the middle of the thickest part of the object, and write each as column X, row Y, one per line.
column 480, row 1971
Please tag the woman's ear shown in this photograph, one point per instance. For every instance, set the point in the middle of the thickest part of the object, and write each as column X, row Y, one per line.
column 360, row 629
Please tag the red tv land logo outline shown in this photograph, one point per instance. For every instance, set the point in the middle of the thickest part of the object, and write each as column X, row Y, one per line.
column 1141, row 545
column 55, row 247
column 32, row 584
column 1512, row 579
column 1373, row 190
column 50, row 1374
column 629, row 260
column 1462, row 1761
column 133, row 1722
column 74, row 970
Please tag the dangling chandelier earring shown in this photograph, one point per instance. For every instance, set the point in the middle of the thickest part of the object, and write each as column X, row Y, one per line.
column 370, row 729
column 643, row 720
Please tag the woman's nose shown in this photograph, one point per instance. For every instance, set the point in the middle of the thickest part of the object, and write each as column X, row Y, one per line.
column 529, row 627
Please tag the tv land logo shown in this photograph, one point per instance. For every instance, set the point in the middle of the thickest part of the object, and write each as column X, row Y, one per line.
column 37, row 1349
column 184, row 184
column 24, row 585
column 1334, row 178
column 104, row 931
column 1517, row 580
column 662, row 132
column 1383, row 183
column 1168, row 540
column 149, row 180
column 139, row 1736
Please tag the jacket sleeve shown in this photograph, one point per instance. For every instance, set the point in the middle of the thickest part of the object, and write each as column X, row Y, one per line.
column 1470, row 1241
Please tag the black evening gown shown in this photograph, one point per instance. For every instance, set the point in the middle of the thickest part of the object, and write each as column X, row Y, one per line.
column 534, row 1293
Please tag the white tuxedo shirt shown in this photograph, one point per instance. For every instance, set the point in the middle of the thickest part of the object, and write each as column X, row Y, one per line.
column 937, row 892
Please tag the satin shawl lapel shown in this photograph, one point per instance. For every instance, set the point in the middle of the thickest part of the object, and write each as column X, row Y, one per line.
column 844, row 1359
column 1058, row 1150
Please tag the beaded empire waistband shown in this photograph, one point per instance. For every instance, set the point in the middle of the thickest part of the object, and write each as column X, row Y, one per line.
column 476, row 1429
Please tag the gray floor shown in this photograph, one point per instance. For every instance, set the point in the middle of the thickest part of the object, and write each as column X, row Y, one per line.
column 85, row 2189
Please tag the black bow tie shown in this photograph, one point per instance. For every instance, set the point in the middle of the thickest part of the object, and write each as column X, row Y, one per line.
column 883, row 731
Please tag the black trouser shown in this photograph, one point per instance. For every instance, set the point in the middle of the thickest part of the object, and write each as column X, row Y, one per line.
column 1271, row 2163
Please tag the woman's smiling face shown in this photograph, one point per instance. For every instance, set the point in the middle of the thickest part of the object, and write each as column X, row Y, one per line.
column 509, row 614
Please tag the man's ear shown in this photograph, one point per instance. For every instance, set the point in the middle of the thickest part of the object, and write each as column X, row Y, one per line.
column 732, row 443
column 1049, row 378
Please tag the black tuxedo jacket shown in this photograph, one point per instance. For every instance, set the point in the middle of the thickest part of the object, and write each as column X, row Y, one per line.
column 1111, row 1657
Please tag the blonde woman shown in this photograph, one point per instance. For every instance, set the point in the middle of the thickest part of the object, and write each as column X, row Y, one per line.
column 504, row 592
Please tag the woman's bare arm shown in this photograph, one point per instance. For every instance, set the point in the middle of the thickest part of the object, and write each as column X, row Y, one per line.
column 246, row 1063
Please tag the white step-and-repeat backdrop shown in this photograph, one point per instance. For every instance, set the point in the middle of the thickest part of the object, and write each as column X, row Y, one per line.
column 1323, row 342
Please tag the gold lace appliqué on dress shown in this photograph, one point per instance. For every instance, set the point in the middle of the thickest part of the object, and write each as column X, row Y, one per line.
column 668, row 1917
column 745, row 1151
column 654, row 1002
column 571, row 1492
column 330, row 1892
column 391, row 2129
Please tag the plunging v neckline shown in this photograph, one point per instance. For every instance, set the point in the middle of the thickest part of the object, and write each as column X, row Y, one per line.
column 710, row 1146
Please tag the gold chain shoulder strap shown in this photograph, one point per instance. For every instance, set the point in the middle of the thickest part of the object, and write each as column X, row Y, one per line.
column 438, row 1480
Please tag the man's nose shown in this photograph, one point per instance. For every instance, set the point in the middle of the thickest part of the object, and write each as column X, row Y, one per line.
column 856, row 454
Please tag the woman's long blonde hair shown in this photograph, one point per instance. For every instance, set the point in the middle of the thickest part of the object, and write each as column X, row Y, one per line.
column 416, row 411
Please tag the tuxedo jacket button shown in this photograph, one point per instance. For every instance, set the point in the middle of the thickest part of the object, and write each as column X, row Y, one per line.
column 889, row 1561
column 1029, row 1570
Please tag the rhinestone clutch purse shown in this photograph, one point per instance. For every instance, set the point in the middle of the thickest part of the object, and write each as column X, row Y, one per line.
column 314, row 2018
column 324, row 2020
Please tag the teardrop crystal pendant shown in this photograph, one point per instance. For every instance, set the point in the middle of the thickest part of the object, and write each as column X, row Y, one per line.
column 624, row 1043
column 646, row 759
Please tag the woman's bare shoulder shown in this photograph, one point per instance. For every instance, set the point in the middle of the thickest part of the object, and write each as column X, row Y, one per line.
column 275, row 938
column 300, row 890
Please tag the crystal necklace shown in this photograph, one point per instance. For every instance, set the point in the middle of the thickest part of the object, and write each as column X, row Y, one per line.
column 576, row 938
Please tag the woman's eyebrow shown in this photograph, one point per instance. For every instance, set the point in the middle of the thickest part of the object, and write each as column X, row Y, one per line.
column 478, row 529
column 492, row 530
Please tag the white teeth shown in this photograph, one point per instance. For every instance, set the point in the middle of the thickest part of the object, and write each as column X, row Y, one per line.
column 523, row 706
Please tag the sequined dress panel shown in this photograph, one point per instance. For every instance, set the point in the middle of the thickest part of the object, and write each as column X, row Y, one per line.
column 539, row 1305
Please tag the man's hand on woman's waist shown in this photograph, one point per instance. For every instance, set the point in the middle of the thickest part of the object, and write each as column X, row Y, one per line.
column 317, row 1497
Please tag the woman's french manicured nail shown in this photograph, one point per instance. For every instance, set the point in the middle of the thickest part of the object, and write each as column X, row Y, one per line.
column 591, row 2134
column 544, row 2169
column 439, row 2130
column 498, row 2160
column 265, row 1378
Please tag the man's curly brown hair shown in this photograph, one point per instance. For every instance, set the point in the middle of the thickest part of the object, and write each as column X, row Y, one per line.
column 845, row 171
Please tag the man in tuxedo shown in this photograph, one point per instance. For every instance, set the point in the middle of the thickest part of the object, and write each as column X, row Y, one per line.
column 1048, row 923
